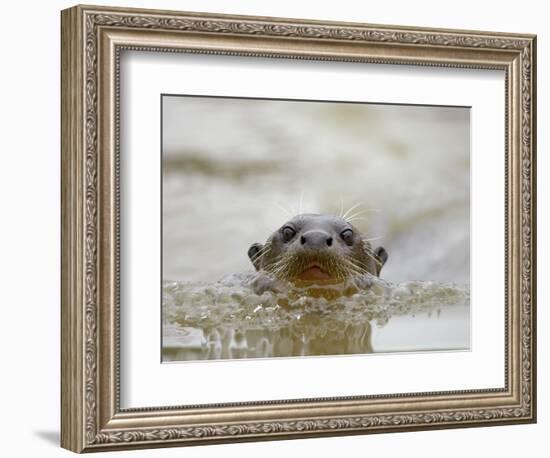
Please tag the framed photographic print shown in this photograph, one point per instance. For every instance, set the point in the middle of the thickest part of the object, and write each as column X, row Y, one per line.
column 277, row 228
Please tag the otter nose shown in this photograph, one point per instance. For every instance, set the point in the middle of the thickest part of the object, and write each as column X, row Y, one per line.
column 316, row 239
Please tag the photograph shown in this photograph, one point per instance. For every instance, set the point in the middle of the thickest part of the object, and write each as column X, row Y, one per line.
column 301, row 228
column 276, row 228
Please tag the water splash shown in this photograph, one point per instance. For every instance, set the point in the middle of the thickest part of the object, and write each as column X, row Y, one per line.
column 226, row 320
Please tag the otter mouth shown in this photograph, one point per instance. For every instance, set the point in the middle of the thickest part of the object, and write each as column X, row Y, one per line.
column 314, row 272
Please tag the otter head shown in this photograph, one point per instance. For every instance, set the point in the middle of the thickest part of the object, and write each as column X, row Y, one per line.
column 317, row 248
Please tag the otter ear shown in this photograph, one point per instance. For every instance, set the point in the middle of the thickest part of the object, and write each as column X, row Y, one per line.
column 254, row 252
column 381, row 256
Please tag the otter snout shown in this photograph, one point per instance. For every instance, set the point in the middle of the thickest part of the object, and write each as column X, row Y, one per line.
column 315, row 248
column 316, row 239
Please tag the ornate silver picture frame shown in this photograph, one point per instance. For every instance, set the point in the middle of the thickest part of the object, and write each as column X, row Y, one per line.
column 93, row 39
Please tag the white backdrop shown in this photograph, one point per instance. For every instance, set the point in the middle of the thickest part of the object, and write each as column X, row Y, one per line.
column 147, row 75
column 29, row 251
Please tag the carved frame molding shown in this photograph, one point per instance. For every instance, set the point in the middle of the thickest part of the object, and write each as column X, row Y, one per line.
column 92, row 39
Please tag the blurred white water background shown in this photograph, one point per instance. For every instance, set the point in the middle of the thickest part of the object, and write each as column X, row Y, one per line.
column 234, row 170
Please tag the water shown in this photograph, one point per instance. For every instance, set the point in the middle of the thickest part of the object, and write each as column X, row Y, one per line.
column 226, row 320
column 234, row 170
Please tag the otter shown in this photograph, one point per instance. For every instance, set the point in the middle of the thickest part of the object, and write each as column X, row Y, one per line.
column 315, row 249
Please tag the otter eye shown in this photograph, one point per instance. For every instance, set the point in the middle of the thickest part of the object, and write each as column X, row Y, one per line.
column 347, row 236
column 288, row 234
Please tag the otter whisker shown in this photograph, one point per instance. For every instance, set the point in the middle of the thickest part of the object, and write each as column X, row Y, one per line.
column 344, row 216
column 277, row 267
column 260, row 257
column 274, row 263
column 370, row 239
column 368, row 247
column 270, row 268
column 364, row 210
column 280, row 271
column 349, row 272
column 373, row 256
column 345, row 267
column 279, row 260
column 266, row 246
column 287, row 211
column 357, row 270
column 262, row 253
column 356, row 214
column 358, row 264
